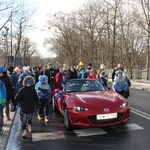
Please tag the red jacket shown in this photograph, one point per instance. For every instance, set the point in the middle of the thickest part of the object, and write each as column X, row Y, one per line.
column 58, row 81
column 91, row 76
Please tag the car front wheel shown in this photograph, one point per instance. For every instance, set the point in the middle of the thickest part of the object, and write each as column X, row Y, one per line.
column 67, row 120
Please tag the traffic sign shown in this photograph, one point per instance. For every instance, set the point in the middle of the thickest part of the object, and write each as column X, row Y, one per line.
column 80, row 63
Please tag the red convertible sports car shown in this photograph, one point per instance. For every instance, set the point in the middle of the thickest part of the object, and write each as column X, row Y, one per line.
column 85, row 103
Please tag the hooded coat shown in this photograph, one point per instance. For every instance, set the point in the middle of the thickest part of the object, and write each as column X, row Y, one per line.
column 43, row 88
column 27, row 96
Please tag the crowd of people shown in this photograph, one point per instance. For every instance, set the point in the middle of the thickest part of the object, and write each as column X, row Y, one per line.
column 33, row 86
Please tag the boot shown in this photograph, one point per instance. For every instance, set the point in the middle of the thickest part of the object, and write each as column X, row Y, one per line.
column 39, row 117
column 8, row 118
column 46, row 119
column 24, row 133
column 30, row 128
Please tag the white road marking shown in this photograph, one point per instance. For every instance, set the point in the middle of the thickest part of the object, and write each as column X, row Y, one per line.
column 140, row 113
column 48, row 136
column 89, row 132
column 127, row 127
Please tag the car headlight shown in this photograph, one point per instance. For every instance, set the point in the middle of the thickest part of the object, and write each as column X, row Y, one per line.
column 78, row 108
column 124, row 105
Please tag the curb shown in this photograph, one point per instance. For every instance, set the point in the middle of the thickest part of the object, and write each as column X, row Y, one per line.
column 140, row 88
column 6, row 131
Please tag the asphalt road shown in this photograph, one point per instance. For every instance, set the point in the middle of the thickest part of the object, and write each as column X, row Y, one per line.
column 135, row 135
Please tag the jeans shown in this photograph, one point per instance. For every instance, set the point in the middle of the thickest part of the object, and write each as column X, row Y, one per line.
column 1, row 116
column 44, row 107
column 26, row 119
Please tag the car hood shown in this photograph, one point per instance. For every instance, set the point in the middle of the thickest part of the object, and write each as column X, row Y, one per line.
column 99, row 98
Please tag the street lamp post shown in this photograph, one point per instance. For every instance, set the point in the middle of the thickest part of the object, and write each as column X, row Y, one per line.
column 11, row 39
column 11, row 49
column 5, row 35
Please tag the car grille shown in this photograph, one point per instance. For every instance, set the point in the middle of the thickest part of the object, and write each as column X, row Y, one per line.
column 93, row 119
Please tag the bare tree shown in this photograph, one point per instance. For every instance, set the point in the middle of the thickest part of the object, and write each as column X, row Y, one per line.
column 145, row 24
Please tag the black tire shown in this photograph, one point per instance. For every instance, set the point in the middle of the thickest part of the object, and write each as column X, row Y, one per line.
column 67, row 120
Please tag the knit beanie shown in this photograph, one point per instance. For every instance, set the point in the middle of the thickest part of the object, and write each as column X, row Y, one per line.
column 2, row 69
column 43, row 78
column 118, row 72
column 28, row 80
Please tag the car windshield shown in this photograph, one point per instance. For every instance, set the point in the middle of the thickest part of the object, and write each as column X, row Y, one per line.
column 82, row 85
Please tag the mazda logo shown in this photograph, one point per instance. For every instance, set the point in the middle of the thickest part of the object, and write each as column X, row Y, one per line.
column 106, row 110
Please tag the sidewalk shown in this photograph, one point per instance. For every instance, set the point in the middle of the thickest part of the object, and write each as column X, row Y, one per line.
column 143, row 85
column 6, row 131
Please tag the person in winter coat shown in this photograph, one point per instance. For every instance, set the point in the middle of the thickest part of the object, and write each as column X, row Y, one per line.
column 27, row 97
column 101, row 76
column 9, row 88
column 119, row 67
column 18, row 86
column 3, row 96
column 15, row 76
column 82, row 74
column 44, row 94
column 92, row 74
column 120, row 84
column 35, row 74
column 50, row 73
column 72, row 73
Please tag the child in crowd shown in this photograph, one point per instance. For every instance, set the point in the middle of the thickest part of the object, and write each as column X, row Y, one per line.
column 120, row 84
column 92, row 74
column 82, row 74
column 18, row 86
column 43, row 92
column 101, row 76
column 27, row 97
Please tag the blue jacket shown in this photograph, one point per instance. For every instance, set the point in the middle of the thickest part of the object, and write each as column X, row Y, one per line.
column 120, row 83
column 3, row 93
column 43, row 88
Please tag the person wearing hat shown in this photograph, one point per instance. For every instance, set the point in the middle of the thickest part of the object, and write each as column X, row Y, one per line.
column 119, row 67
column 9, row 88
column 3, row 96
column 27, row 97
column 50, row 73
column 101, row 76
column 44, row 93
column 120, row 84
column 18, row 86
column 10, row 70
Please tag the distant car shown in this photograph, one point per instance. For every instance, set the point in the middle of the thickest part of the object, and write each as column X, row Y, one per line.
column 85, row 103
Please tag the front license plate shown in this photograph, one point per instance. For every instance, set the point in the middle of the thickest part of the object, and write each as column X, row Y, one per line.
column 106, row 116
